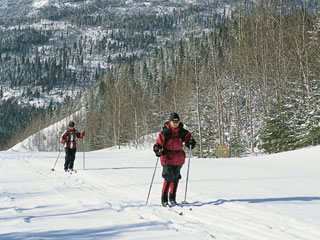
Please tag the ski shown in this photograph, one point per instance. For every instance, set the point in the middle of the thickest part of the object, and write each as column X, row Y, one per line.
column 172, row 208
column 183, row 205
column 176, row 208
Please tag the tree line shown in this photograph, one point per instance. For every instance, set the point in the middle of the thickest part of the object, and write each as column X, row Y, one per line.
column 249, row 83
column 52, row 50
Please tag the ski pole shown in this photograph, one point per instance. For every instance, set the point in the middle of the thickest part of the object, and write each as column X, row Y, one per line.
column 84, row 153
column 185, row 194
column 152, row 179
column 57, row 159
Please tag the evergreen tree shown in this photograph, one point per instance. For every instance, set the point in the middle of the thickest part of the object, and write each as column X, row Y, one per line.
column 277, row 135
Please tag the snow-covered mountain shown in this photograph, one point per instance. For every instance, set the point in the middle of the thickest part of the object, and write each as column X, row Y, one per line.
column 53, row 50
column 266, row 197
column 94, row 25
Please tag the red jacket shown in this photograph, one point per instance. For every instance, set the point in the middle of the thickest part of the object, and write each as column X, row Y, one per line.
column 69, row 138
column 173, row 146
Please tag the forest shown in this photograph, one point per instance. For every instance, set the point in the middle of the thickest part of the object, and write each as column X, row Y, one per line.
column 61, row 51
column 251, row 83
column 249, row 80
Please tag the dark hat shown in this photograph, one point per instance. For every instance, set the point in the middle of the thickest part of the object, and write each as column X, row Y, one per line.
column 174, row 117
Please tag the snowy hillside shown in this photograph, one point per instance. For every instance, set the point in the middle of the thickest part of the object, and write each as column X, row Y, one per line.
column 53, row 51
column 266, row 197
column 47, row 139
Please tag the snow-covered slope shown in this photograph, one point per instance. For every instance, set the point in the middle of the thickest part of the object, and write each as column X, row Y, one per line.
column 47, row 139
column 266, row 197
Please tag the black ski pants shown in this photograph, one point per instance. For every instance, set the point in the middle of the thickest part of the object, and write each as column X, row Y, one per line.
column 70, row 157
column 171, row 173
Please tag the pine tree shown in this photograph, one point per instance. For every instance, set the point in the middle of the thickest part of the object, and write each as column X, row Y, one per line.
column 277, row 136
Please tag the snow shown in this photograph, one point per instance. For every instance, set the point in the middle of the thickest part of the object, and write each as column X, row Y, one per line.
column 47, row 139
column 54, row 95
column 263, row 197
column 39, row 3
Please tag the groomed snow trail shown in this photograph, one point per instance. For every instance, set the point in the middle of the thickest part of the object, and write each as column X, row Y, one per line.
column 262, row 198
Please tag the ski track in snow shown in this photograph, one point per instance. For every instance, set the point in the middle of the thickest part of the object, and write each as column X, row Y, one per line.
column 107, row 200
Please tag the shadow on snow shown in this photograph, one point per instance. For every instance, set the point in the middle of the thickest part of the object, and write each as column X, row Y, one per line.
column 95, row 233
column 118, row 168
column 257, row 200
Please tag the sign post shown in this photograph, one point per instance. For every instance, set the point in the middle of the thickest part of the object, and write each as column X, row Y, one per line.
column 223, row 151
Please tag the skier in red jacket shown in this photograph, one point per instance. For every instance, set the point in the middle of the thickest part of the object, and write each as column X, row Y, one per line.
column 69, row 139
column 169, row 148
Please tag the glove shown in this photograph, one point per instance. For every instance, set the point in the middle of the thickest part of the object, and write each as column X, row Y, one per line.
column 83, row 132
column 157, row 149
column 63, row 141
column 192, row 143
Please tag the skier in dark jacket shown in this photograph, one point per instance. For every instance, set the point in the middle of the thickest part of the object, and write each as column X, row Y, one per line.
column 169, row 148
column 69, row 139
